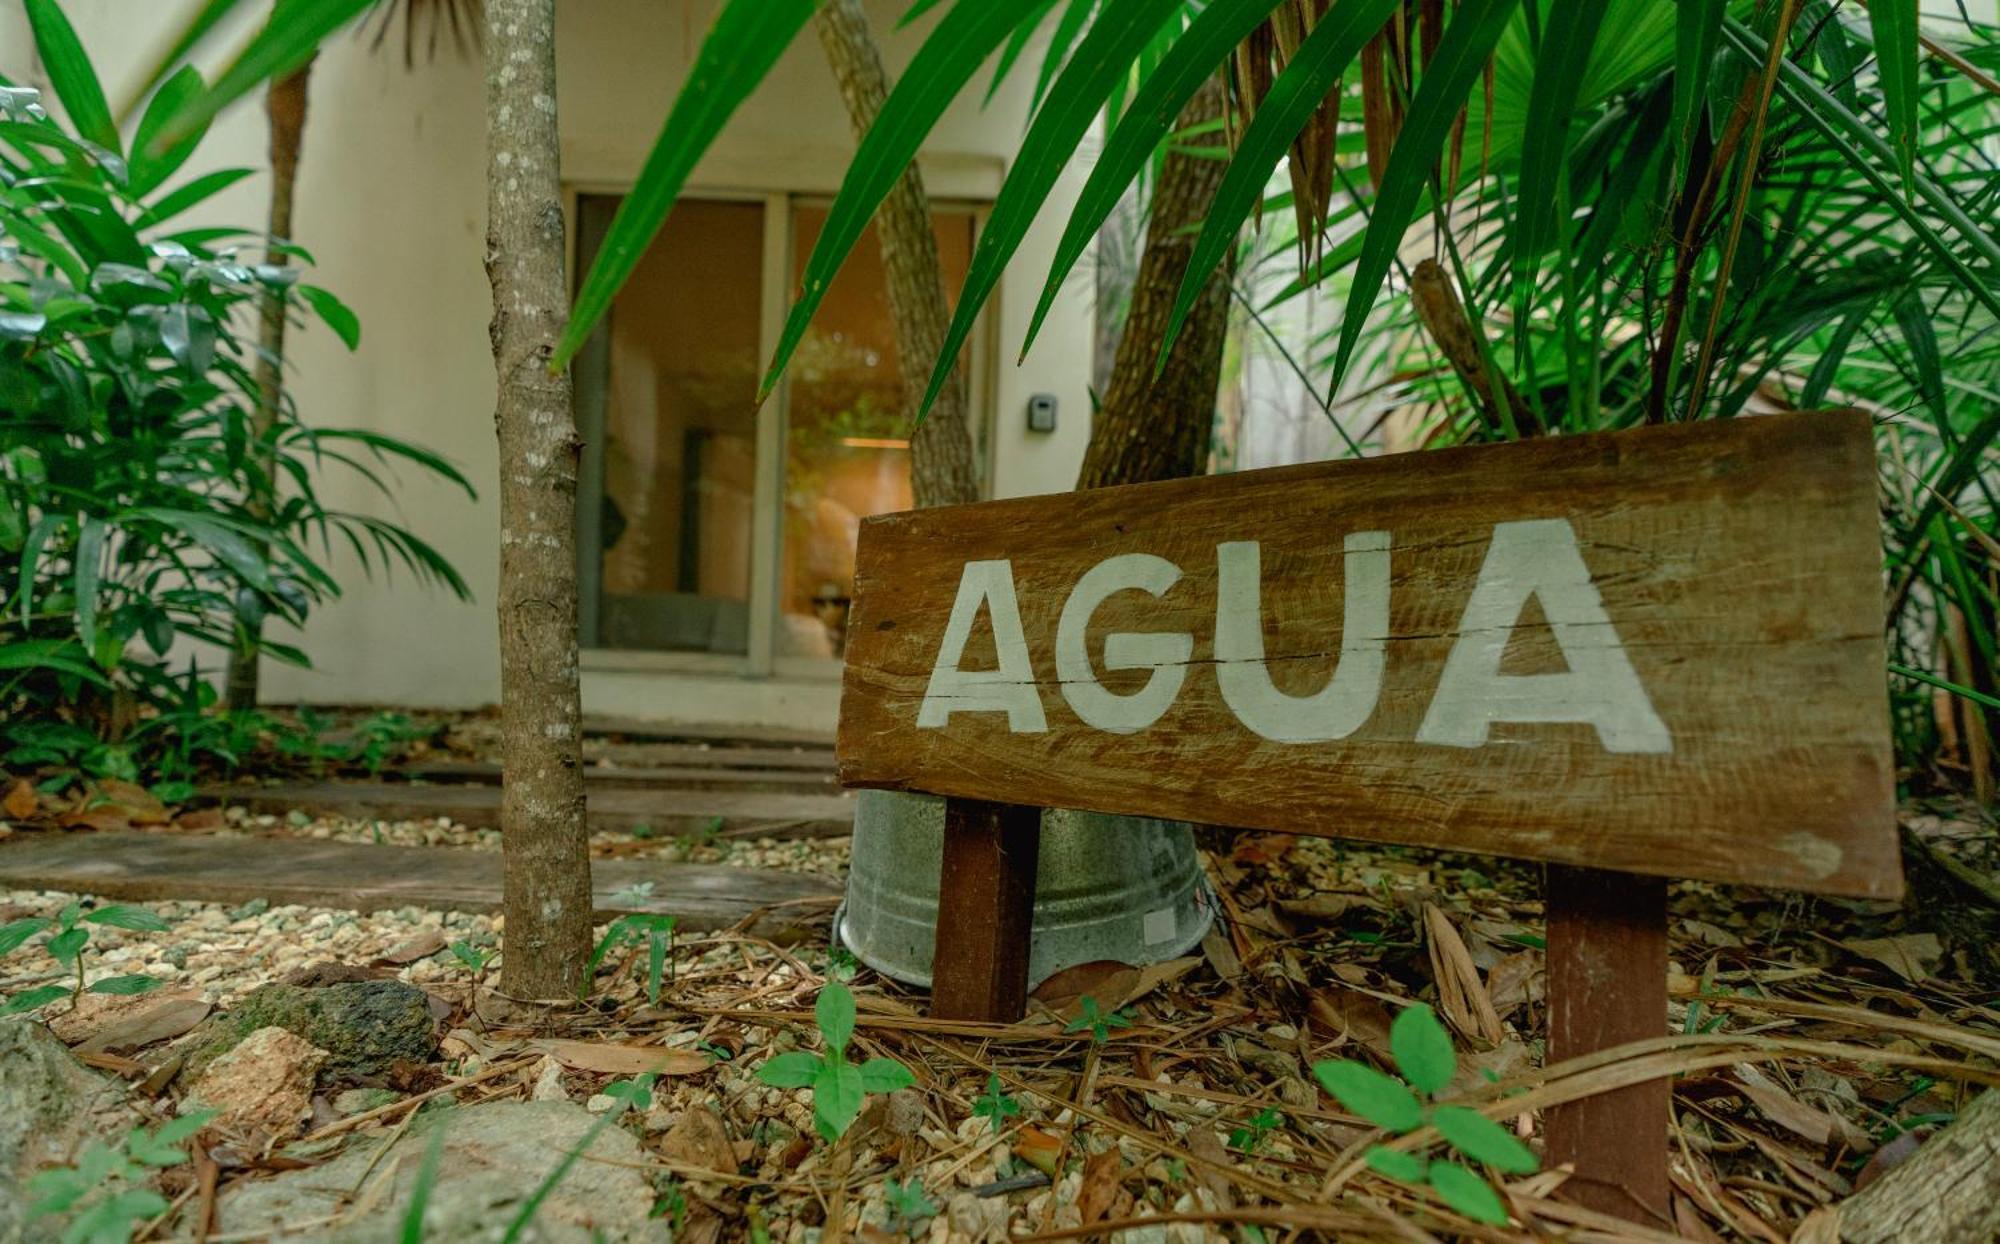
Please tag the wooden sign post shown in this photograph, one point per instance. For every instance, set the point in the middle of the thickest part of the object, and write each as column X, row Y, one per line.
column 1657, row 652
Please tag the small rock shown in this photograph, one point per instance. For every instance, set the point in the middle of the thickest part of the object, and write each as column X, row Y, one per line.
column 549, row 1081
column 264, row 1085
column 364, row 1026
column 362, row 1100
column 977, row 1218
column 905, row 1114
column 600, row 1102
column 45, row 1100
column 255, row 907
column 494, row 1155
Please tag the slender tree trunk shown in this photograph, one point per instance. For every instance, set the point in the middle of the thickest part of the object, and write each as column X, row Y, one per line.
column 1149, row 429
column 547, row 849
column 942, row 470
column 285, row 106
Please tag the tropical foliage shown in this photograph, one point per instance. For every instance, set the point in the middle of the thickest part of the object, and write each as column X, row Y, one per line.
column 1540, row 219
column 141, row 504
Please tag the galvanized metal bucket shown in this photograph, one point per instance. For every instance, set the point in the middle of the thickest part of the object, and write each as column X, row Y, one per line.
column 1125, row 888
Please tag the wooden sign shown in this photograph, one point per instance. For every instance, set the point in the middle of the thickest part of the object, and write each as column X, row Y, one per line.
column 1658, row 651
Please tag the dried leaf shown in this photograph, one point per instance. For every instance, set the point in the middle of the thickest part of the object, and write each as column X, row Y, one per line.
column 1105, row 981
column 1462, row 996
column 1038, row 1149
column 1102, row 1175
column 139, row 805
column 21, row 801
column 1347, row 1015
column 611, row 1059
column 699, row 1140
column 1785, row 1110
column 165, row 1018
column 1911, row 956
column 422, row 946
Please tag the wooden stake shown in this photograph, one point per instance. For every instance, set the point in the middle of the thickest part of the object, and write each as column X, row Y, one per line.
column 1607, row 984
column 986, row 911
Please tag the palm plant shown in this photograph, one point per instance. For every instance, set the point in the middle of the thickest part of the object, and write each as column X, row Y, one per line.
column 1634, row 211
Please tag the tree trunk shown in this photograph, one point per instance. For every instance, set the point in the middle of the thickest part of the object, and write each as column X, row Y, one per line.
column 942, row 471
column 547, row 848
column 1149, row 429
column 285, row 106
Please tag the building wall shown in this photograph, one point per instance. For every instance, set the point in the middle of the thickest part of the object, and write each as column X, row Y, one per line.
column 392, row 204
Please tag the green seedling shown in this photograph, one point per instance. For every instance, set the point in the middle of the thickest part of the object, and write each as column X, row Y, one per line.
column 907, row 1206
column 841, row 964
column 658, row 934
column 1099, row 1022
column 838, row 1086
column 66, row 937
column 105, row 1196
column 995, row 1105
column 471, row 956
column 1423, row 1053
column 1250, row 1137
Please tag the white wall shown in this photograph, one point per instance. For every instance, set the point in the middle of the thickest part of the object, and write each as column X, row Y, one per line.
column 392, row 203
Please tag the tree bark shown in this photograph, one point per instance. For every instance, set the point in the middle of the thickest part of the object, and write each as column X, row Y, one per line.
column 942, row 469
column 547, row 848
column 1149, row 429
column 285, row 108
column 1948, row 1190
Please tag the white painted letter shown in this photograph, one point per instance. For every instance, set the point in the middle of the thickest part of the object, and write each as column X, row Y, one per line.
column 1165, row 654
column 1010, row 689
column 1337, row 709
column 1540, row 558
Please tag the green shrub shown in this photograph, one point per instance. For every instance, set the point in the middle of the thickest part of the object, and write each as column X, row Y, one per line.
column 146, row 499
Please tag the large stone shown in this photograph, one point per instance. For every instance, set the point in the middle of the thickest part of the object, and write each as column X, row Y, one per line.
column 47, row 1103
column 264, row 1086
column 494, row 1157
column 365, row 1027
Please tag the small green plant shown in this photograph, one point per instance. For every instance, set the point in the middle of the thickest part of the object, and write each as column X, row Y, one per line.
column 672, row 1205
column 380, row 738
column 908, row 1208
column 1423, row 1053
column 66, row 936
column 105, row 1195
column 473, row 957
column 1250, row 1137
column 841, row 964
column 1099, row 1022
column 838, row 1086
column 709, row 835
column 995, row 1106
column 658, row 934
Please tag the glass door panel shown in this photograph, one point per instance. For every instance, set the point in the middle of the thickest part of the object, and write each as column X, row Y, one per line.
column 846, row 447
column 675, row 458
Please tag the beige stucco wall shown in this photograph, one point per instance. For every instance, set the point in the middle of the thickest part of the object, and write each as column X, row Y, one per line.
column 392, row 204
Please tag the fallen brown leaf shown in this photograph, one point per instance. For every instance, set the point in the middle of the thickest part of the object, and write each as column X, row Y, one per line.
column 612, row 1059
column 167, row 1017
column 699, row 1140
column 1102, row 1175
column 1911, row 956
column 1038, row 1149
column 422, row 946
column 1105, row 981
column 1462, row 996
column 21, row 802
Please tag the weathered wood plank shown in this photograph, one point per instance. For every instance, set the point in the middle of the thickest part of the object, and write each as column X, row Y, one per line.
column 986, row 911
column 742, row 813
column 1657, row 651
column 615, row 777
column 150, row 867
column 755, row 736
column 668, row 755
column 1607, row 985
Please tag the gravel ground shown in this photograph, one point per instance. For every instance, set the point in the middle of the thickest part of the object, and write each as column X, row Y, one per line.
column 828, row 856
